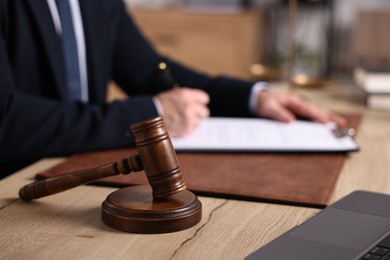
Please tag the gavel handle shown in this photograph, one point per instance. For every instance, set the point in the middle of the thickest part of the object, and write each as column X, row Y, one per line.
column 42, row 188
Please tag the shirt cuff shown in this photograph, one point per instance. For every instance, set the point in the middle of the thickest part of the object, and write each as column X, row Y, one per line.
column 257, row 87
column 158, row 106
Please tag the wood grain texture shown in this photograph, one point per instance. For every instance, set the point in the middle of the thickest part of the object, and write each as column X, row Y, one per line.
column 289, row 178
column 68, row 225
column 155, row 156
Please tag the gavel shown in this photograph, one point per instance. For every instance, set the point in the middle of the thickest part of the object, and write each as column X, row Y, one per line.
column 168, row 207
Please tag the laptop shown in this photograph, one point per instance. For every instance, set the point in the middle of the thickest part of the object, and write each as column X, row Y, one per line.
column 355, row 227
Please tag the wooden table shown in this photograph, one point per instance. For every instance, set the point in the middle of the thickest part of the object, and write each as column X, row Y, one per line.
column 68, row 225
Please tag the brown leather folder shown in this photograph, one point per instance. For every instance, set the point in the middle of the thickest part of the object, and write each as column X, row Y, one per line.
column 305, row 179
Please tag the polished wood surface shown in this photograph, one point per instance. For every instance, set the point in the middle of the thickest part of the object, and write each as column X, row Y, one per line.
column 45, row 187
column 156, row 157
column 68, row 225
column 164, row 207
column 133, row 209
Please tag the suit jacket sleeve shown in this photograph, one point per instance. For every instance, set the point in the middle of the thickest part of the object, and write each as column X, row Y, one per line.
column 135, row 67
column 33, row 126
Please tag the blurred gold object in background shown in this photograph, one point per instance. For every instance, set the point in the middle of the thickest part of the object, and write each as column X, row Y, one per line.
column 263, row 72
column 304, row 81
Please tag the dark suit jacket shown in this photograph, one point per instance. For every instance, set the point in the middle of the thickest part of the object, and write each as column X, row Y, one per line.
column 35, row 118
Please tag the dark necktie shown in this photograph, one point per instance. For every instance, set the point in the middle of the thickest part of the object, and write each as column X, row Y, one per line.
column 70, row 52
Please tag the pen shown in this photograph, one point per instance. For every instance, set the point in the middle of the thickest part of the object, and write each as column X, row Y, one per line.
column 167, row 76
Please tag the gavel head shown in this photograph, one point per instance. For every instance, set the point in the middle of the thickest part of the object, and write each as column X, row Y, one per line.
column 158, row 158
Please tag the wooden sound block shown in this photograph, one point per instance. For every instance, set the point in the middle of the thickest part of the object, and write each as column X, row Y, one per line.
column 133, row 209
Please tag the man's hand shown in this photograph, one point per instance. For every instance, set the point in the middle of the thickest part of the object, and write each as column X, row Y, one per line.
column 183, row 109
column 285, row 107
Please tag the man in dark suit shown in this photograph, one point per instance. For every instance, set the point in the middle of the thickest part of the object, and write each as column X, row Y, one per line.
column 56, row 58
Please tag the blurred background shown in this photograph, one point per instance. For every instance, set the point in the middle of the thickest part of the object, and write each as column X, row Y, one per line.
column 270, row 39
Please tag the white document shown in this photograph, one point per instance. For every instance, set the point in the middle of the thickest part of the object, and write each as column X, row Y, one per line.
column 262, row 135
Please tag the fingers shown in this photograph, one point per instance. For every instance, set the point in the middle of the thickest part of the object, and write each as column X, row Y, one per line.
column 269, row 106
column 340, row 121
column 307, row 110
column 275, row 110
column 184, row 109
column 284, row 107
